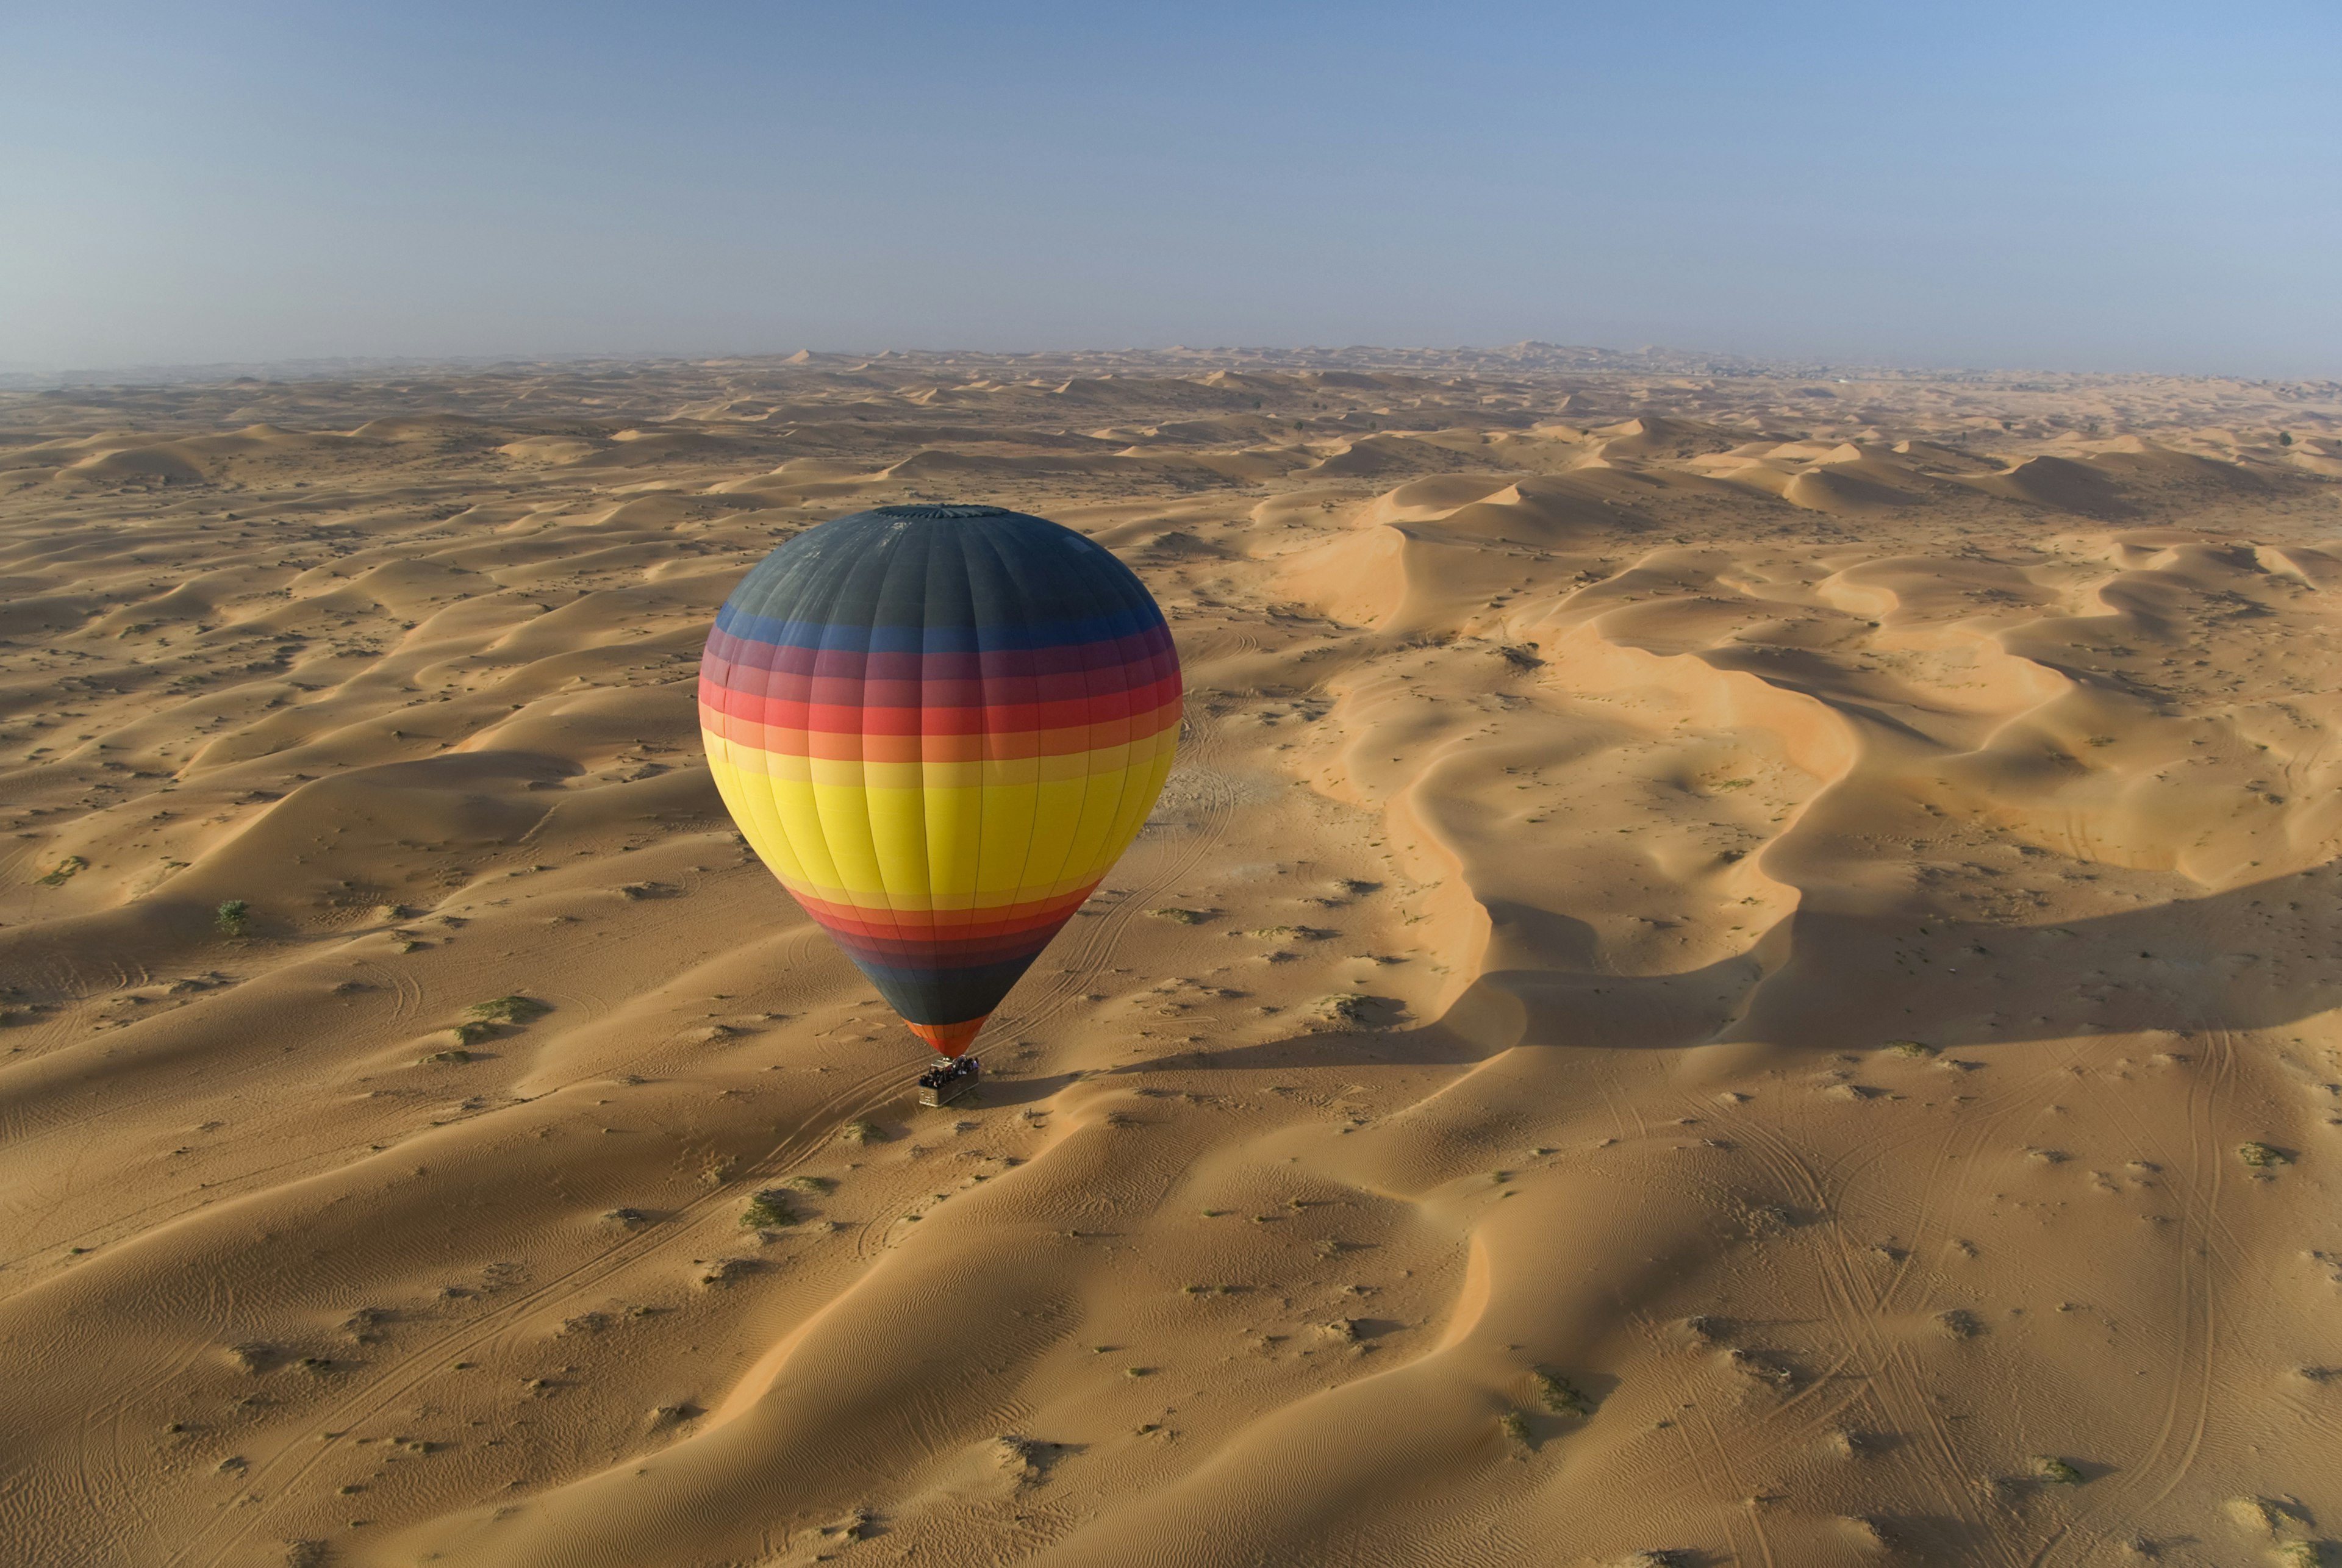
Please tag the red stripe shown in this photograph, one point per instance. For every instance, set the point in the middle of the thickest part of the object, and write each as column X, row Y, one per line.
column 924, row 925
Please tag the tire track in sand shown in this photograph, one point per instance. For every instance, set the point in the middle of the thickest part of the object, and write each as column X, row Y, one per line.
column 2187, row 1408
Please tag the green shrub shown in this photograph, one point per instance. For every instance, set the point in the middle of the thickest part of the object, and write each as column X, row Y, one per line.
column 1560, row 1395
column 234, row 918
column 769, row 1211
column 509, row 1010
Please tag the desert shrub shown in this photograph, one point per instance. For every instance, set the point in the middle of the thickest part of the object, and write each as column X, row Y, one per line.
column 725, row 1271
column 769, row 1211
column 509, row 1010
column 233, row 917
column 1766, row 1368
column 1350, row 1010
column 1560, row 1395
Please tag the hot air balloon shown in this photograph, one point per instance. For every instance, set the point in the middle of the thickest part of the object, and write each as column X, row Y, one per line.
column 940, row 726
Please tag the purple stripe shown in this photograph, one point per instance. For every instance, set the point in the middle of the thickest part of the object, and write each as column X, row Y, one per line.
column 939, row 680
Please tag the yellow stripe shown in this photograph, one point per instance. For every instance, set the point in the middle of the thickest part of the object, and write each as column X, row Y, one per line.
column 757, row 814
column 977, row 848
column 1058, row 808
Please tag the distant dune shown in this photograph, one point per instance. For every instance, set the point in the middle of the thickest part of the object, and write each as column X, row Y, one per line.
column 1738, row 969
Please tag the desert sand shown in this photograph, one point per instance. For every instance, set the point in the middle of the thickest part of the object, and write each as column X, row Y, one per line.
column 1739, row 968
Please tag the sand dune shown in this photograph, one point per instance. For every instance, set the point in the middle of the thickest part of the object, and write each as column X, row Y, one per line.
column 1736, row 968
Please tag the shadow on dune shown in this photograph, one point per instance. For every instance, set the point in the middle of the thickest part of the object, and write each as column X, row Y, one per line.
column 2259, row 956
column 1433, row 1045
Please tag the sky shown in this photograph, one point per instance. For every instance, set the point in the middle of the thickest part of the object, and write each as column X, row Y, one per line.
column 2137, row 186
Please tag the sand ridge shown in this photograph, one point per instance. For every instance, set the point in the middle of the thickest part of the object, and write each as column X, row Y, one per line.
column 1738, row 965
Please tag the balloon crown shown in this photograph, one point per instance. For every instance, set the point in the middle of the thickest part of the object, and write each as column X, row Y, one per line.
column 942, row 512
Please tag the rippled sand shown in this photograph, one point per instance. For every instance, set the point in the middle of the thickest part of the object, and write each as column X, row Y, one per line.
column 1737, row 967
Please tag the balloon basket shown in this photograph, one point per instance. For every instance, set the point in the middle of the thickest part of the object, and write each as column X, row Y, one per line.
column 947, row 1081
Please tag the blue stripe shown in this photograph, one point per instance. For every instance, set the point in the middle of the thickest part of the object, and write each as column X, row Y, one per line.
column 944, row 996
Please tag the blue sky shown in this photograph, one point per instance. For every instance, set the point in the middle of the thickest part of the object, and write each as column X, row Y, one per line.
column 2138, row 186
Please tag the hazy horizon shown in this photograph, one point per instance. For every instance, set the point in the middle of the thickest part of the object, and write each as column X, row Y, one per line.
column 1659, row 359
column 2088, row 188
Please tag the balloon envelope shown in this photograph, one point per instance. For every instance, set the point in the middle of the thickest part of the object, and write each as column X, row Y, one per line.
column 940, row 726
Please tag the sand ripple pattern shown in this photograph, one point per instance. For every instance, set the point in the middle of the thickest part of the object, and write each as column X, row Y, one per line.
column 1734, row 967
